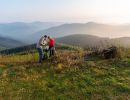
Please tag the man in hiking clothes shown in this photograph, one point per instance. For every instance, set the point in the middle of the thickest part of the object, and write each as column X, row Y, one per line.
column 41, row 46
column 51, row 45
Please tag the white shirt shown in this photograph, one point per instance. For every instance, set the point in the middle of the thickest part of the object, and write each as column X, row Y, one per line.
column 43, row 43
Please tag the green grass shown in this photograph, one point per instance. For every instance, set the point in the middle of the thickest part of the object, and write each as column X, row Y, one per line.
column 63, row 77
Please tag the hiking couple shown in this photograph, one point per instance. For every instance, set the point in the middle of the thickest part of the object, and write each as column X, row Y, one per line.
column 45, row 45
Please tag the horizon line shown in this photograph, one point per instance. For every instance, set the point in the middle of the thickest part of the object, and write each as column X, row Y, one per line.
column 67, row 22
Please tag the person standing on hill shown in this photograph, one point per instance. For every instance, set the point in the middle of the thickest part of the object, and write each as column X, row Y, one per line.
column 41, row 45
column 51, row 45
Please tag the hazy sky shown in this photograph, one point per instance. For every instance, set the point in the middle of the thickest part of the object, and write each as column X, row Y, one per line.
column 108, row 11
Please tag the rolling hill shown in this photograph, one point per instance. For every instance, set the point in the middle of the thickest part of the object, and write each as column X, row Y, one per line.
column 6, row 43
column 88, row 34
column 80, row 40
column 90, row 28
column 31, row 32
column 83, row 40
column 21, row 31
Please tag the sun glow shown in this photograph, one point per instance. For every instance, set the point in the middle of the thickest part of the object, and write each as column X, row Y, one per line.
column 106, row 11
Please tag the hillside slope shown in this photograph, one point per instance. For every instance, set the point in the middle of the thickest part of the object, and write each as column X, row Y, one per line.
column 21, row 31
column 6, row 43
column 90, row 28
column 85, row 41
column 65, row 76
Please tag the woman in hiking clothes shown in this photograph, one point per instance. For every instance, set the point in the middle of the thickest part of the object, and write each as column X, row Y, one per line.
column 51, row 45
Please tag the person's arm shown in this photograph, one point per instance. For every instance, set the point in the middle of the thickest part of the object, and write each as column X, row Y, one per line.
column 42, row 42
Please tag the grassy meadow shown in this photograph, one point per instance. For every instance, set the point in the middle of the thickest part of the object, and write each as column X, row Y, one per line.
column 66, row 76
